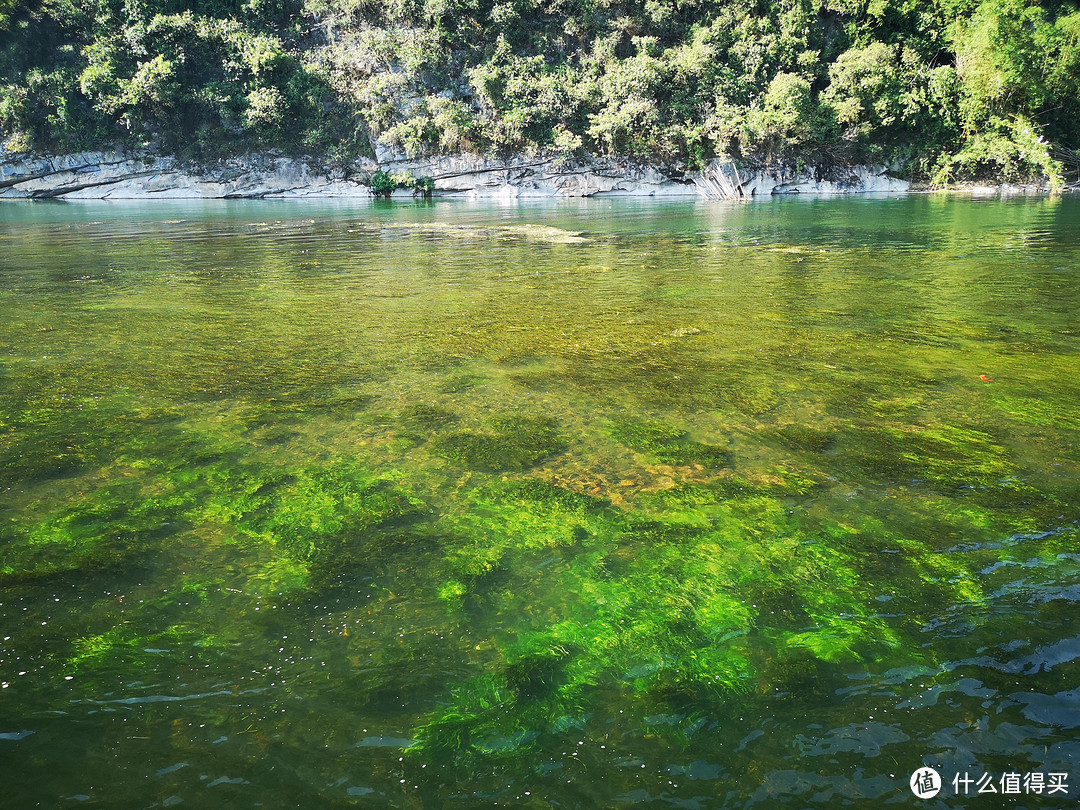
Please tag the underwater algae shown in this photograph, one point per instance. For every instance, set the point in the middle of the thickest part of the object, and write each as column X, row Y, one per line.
column 512, row 443
column 667, row 443
column 686, row 594
column 535, row 527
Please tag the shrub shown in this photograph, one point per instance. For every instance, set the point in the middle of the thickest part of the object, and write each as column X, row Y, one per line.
column 382, row 184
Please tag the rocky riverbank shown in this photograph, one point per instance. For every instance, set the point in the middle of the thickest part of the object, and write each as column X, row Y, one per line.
column 126, row 176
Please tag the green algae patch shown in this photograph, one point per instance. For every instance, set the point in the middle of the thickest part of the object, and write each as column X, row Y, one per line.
column 951, row 457
column 723, row 489
column 510, row 444
column 800, row 437
column 109, row 527
column 320, row 512
column 57, row 432
column 307, row 516
column 419, row 421
column 1040, row 412
column 710, row 597
column 524, row 516
column 667, row 444
column 747, row 395
column 943, row 457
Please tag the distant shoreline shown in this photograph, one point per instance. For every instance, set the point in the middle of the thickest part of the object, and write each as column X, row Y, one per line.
column 115, row 175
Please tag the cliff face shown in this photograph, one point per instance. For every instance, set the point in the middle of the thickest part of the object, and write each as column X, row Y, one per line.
column 596, row 177
column 120, row 176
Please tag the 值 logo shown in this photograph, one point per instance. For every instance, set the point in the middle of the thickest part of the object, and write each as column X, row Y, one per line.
column 925, row 783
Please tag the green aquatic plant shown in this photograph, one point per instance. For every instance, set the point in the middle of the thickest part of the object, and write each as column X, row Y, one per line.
column 667, row 443
column 951, row 457
column 419, row 422
column 318, row 513
column 342, row 404
column 452, row 592
column 460, row 382
column 943, row 457
column 89, row 650
column 56, row 433
column 1041, row 412
column 111, row 526
column 892, row 408
column 307, row 517
column 748, row 395
column 703, row 597
column 781, row 480
column 800, row 437
column 426, row 417
column 534, row 493
column 525, row 515
column 511, row 443
column 715, row 491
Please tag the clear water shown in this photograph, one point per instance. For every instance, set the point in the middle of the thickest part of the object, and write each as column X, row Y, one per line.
column 583, row 505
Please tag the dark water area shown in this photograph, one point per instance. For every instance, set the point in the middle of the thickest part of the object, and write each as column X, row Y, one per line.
column 597, row 504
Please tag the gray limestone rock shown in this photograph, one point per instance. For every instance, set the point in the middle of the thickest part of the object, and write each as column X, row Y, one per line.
column 143, row 175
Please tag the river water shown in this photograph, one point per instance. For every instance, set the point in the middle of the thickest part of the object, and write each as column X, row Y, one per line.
column 593, row 504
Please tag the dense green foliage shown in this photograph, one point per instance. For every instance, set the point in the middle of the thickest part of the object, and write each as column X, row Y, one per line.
column 947, row 88
column 182, row 77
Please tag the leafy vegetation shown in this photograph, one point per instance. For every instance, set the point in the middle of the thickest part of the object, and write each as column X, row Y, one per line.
column 945, row 90
column 383, row 184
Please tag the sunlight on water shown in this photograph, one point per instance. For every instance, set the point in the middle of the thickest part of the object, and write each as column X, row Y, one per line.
column 590, row 504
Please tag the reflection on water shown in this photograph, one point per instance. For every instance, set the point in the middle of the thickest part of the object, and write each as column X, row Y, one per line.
column 688, row 505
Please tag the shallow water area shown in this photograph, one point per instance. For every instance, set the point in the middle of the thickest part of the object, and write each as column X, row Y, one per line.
column 589, row 504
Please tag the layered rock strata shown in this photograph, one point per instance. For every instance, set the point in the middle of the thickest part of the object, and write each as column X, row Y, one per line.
column 124, row 176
